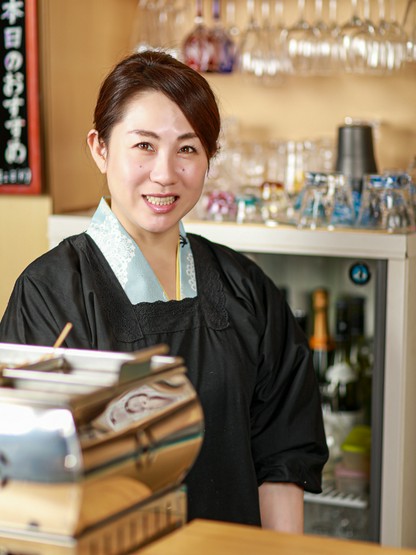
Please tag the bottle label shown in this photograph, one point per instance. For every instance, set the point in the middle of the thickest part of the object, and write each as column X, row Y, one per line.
column 341, row 373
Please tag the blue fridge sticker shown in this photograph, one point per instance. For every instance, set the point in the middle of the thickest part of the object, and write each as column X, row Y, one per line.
column 360, row 273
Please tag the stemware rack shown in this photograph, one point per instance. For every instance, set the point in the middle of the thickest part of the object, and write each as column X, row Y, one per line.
column 274, row 38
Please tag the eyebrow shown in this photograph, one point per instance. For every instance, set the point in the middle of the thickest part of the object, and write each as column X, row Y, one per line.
column 154, row 135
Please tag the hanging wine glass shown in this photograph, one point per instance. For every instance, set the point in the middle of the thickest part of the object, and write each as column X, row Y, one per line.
column 249, row 53
column 301, row 43
column 348, row 30
column 270, row 63
column 230, row 20
column 394, row 37
column 409, row 27
column 197, row 47
column 333, row 37
column 279, row 40
column 144, row 30
column 326, row 37
column 223, row 53
column 170, row 21
column 365, row 45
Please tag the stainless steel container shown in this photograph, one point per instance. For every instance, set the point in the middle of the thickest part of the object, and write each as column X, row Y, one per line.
column 90, row 444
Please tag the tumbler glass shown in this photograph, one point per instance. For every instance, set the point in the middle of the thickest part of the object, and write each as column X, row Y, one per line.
column 316, row 208
column 386, row 203
column 274, row 203
column 326, row 201
column 343, row 213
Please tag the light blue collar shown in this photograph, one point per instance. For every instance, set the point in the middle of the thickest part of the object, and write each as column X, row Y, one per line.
column 131, row 268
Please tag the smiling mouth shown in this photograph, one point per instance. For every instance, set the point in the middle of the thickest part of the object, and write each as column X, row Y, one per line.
column 160, row 201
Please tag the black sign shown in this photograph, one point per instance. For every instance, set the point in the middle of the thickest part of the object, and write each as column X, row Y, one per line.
column 19, row 114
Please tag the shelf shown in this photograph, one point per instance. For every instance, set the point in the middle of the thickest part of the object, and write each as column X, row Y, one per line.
column 334, row 497
column 320, row 242
column 280, row 239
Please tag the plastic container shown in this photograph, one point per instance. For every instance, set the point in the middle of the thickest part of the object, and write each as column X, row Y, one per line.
column 354, row 482
column 356, row 450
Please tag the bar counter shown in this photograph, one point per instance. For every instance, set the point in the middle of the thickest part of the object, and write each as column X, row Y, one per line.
column 203, row 537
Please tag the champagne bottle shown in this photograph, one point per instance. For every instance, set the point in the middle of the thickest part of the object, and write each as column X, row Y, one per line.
column 321, row 343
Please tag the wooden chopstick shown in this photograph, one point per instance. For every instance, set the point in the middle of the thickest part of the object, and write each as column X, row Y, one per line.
column 63, row 335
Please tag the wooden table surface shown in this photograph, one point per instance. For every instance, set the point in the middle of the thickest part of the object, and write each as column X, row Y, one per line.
column 203, row 537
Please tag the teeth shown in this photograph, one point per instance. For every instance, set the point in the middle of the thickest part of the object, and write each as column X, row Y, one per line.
column 160, row 201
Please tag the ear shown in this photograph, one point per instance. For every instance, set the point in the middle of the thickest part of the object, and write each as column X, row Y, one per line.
column 98, row 150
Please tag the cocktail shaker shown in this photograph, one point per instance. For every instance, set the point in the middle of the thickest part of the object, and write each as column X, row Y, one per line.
column 355, row 154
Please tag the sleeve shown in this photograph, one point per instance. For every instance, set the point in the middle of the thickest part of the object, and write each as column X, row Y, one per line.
column 288, row 438
column 29, row 317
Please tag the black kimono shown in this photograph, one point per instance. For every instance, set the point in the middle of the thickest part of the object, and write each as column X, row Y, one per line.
column 246, row 357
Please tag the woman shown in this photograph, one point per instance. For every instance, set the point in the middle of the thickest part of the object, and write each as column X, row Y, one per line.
column 135, row 279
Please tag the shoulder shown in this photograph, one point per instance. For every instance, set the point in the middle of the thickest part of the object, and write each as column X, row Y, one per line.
column 62, row 258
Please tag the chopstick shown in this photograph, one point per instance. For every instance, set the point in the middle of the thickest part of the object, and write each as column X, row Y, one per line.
column 62, row 336
column 60, row 339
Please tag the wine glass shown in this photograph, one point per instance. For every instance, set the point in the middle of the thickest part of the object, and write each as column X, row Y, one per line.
column 170, row 19
column 270, row 62
column 348, row 30
column 394, row 37
column 279, row 39
column 326, row 59
column 365, row 46
column 230, row 20
column 409, row 27
column 144, row 26
column 249, row 52
column 301, row 43
column 197, row 47
column 223, row 57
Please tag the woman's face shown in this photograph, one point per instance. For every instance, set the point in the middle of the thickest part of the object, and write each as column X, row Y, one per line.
column 155, row 165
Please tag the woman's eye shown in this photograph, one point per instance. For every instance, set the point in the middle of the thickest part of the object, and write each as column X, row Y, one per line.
column 145, row 146
column 187, row 149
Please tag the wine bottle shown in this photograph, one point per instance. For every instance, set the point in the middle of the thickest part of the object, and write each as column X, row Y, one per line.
column 321, row 343
column 361, row 354
column 342, row 377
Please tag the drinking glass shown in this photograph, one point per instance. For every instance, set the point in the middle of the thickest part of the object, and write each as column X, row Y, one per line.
column 301, row 43
column 223, row 54
column 144, row 26
column 326, row 201
column 197, row 46
column 394, row 37
column 274, row 203
column 343, row 213
column 279, row 39
column 409, row 27
column 386, row 203
column 365, row 45
column 268, row 54
column 347, row 32
column 327, row 53
column 249, row 50
column 316, row 205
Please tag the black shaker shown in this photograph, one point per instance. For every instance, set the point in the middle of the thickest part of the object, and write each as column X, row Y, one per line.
column 355, row 154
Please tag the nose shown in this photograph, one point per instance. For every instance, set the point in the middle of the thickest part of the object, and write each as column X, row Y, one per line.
column 163, row 170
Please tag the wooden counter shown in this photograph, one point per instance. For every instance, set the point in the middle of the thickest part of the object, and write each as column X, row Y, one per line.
column 203, row 537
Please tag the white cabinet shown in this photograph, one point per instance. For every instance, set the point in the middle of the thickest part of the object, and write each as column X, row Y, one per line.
column 394, row 257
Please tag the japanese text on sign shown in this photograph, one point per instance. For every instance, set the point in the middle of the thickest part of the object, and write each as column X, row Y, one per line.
column 14, row 167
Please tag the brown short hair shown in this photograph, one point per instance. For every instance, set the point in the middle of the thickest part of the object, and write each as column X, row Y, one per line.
column 158, row 71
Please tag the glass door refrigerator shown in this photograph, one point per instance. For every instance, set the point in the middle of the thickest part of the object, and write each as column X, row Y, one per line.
column 378, row 268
